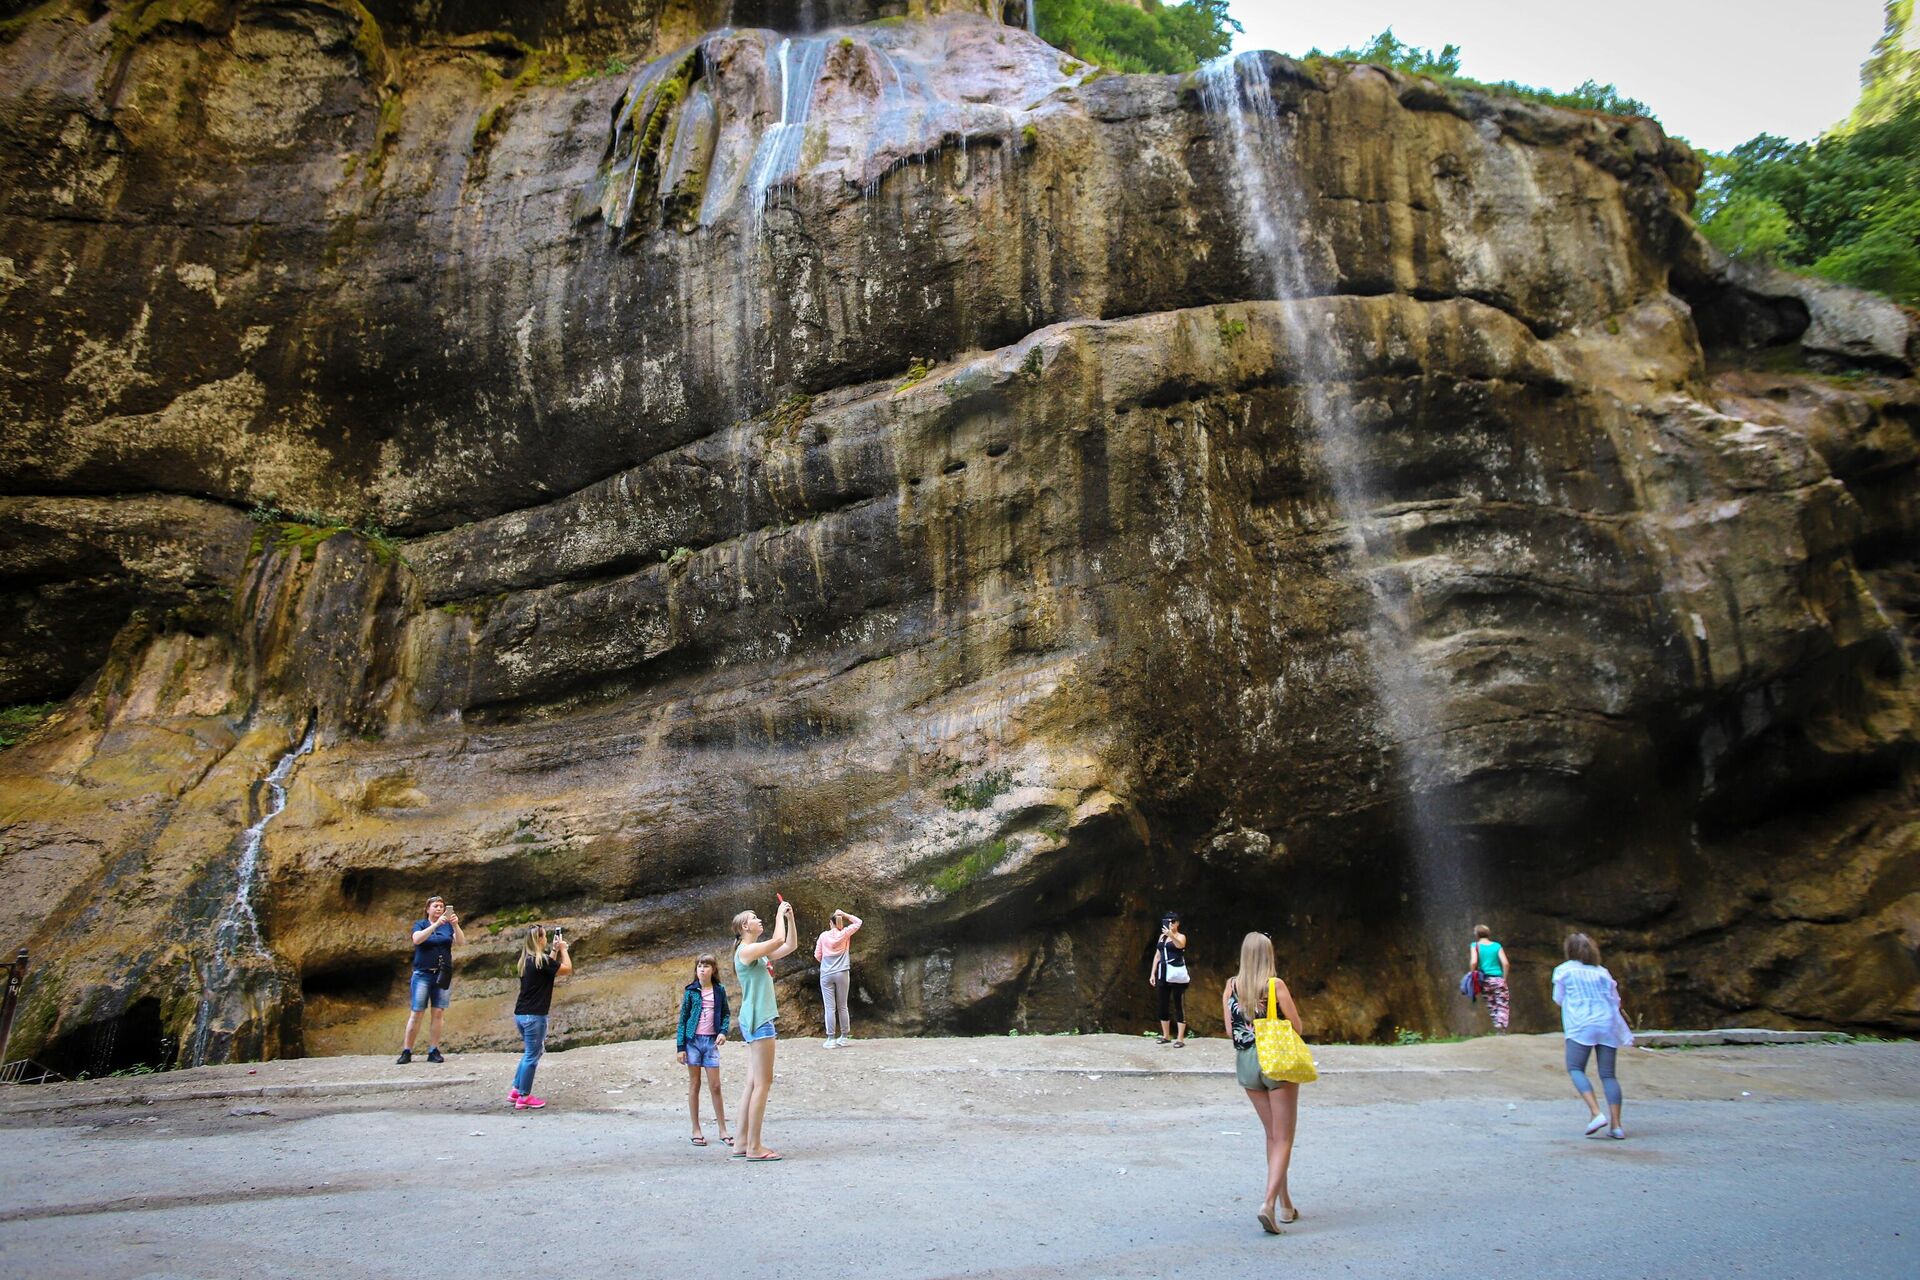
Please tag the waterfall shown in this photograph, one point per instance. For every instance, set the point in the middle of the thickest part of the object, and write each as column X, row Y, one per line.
column 780, row 145
column 237, row 944
column 1235, row 90
column 1033, row 17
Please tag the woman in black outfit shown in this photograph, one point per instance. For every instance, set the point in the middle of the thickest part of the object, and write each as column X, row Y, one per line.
column 1169, row 976
column 541, row 961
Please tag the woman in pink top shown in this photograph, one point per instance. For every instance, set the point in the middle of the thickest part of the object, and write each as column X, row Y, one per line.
column 833, row 949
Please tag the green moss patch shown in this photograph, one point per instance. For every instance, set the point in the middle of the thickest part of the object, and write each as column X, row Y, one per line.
column 970, row 867
column 21, row 719
column 978, row 793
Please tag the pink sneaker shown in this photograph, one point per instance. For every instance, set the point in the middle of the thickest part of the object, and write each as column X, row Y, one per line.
column 513, row 1097
column 527, row 1102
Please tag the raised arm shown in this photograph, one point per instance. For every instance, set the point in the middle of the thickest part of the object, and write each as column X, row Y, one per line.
column 420, row 935
column 786, row 933
column 566, row 958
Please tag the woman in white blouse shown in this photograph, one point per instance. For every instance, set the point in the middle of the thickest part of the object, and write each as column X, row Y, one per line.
column 1589, row 1001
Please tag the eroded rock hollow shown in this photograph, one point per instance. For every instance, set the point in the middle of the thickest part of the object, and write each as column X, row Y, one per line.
column 608, row 462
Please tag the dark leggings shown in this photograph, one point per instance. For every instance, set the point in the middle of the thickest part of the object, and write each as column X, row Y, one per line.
column 1577, row 1068
column 1173, row 997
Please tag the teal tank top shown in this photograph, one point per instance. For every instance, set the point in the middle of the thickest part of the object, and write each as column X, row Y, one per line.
column 1489, row 961
column 756, row 992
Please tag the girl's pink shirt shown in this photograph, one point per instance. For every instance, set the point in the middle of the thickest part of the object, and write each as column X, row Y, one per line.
column 834, row 941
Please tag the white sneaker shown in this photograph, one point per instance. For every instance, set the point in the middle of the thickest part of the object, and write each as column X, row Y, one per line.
column 844, row 1041
column 829, row 1043
column 1595, row 1125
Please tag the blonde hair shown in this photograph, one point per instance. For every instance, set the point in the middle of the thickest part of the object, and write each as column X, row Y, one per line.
column 1256, row 966
column 1582, row 948
column 740, row 922
column 534, row 949
column 1481, row 931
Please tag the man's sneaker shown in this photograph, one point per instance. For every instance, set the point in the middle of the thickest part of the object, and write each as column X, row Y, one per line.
column 844, row 1041
column 830, row 1043
column 406, row 1056
column 433, row 1054
column 527, row 1102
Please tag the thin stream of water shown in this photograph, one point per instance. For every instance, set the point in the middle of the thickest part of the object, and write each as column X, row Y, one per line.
column 1236, row 92
column 236, row 935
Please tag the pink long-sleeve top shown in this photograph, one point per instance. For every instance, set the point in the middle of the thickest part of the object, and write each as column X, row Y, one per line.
column 830, row 948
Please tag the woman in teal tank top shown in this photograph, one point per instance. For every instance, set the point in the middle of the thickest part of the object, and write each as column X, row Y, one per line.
column 1490, row 959
column 757, row 1013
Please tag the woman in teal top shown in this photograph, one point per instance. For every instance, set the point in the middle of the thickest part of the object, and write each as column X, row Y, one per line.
column 757, row 1012
column 1490, row 958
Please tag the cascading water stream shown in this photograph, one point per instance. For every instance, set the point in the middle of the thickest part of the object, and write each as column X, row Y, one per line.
column 1235, row 91
column 1033, row 17
column 236, row 936
column 800, row 63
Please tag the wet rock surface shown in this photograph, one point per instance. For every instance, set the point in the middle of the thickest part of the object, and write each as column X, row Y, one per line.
column 869, row 466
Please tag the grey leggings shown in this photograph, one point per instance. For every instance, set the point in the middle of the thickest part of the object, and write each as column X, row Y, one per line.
column 833, row 993
column 1577, row 1068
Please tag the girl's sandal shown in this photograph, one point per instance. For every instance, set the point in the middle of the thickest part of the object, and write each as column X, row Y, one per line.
column 727, row 1138
column 697, row 1140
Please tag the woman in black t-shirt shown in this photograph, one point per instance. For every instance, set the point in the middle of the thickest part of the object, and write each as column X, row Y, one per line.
column 543, row 958
column 1169, row 977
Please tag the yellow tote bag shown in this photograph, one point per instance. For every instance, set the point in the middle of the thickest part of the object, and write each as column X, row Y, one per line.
column 1283, row 1054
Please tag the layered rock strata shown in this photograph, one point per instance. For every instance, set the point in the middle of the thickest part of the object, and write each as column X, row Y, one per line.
column 869, row 465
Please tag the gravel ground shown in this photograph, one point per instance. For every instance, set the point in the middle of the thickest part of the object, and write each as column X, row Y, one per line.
column 1095, row 1155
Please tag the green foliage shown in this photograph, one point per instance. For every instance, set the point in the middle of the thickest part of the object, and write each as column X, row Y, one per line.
column 512, row 918
column 1033, row 365
column 917, row 371
column 1231, row 329
column 676, row 557
column 1388, row 50
column 970, row 867
column 1891, row 72
column 17, row 721
column 1407, row 1036
column 1155, row 37
column 1845, row 206
column 791, row 413
column 979, row 793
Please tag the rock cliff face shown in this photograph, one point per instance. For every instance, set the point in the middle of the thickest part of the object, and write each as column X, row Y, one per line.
column 887, row 466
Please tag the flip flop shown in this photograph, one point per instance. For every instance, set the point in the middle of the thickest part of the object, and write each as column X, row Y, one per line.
column 727, row 1138
column 765, row 1156
column 1267, row 1224
column 738, row 1155
column 698, row 1142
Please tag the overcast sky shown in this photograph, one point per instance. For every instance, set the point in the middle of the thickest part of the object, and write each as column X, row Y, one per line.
column 1716, row 72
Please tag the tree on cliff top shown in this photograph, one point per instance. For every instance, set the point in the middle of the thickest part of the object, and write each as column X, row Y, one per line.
column 1141, row 35
column 1388, row 50
column 1845, row 206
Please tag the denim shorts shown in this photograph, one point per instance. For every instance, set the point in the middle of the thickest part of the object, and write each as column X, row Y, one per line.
column 424, row 990
column 762, row 1032
column 703, row 1052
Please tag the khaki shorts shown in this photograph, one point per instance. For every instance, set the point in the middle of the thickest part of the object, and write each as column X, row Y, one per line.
column 1246, row 1069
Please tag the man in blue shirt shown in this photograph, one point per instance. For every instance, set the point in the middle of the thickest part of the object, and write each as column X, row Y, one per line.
column 433, row 939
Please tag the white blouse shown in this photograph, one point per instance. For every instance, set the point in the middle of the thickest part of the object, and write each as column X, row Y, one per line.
column 1589, row 1001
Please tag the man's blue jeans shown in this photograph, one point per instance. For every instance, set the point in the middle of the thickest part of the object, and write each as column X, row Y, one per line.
column 533, row 1030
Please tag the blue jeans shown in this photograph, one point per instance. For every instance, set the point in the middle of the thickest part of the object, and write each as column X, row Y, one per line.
column 762, row 1032
column 533, row 1031
column 424, row 990
column 1577, row 1068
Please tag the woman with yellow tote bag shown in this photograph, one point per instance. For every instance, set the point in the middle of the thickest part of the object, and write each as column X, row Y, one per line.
column 1262, row 1039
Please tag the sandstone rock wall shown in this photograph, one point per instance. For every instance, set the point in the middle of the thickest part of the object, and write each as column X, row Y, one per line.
column 915, row 508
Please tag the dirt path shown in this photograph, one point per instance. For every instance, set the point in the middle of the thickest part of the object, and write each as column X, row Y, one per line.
column 1097, row 1155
